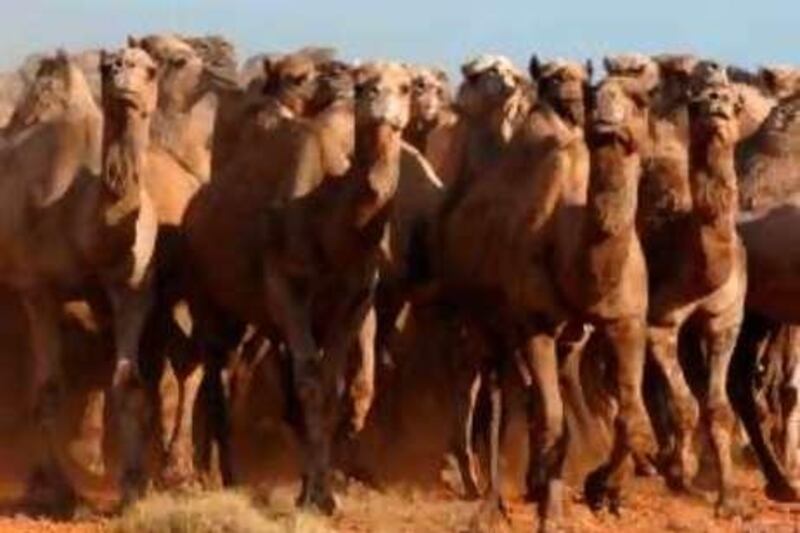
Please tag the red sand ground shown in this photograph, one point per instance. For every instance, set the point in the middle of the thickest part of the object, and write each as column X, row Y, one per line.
column 649, row 508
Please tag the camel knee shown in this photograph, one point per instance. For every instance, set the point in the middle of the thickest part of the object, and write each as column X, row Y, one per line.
column 720, row 414
column 552, row 431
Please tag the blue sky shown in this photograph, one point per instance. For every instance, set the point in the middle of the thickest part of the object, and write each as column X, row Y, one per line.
column 445, row 32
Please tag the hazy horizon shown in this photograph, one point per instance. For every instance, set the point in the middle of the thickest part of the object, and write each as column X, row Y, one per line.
column 413, row 30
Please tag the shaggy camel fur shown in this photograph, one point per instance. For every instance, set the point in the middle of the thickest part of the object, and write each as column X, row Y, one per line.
column 709, row 285
column 609, row 282
column 191, row 70
column 73, row 232
column 318, row 257
column 770, row 303
column 500, row 216
column 494, row 93
column 177, row 136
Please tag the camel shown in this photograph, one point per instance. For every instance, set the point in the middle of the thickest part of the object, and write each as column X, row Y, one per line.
column 534, row 166
column 183, row 78
column 433, row 119
column 74, row 231
column 192, row 71
column 709, row 286
column 318, row 257
column 485, row 126
column 767, row 161
column 768, row 197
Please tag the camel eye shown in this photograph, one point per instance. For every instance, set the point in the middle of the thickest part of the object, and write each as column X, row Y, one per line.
column 300, row 79
column 405, row 89
column 179, row 62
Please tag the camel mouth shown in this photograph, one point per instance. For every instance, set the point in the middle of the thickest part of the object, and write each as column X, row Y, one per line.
column 605, row 133
column 222, row 78
column 126, row 97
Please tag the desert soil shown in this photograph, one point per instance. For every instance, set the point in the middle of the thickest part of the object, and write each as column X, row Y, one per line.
column 649, row 508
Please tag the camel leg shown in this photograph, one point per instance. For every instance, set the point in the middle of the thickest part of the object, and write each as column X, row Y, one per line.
column 218, row 413
column 496, row 399
column 86, row 448
column 179, row 450
column 790, row 400
column 362, row 387
column 664, row 349
column 49, row 490
column 628, row 342
column 719, row 346
column 742, row 396
column 548, row 436
column 466, row 388
column 292, row 311
column 130, row 310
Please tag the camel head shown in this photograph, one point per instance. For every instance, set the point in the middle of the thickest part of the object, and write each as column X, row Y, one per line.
column 707, row 73
column 130, row 81
column 292, row 80
column 780, row 81
column 490, row 82
column 383, row 95
column 563, row 85
column 619, row 113
column 714, row 113
column 334, row 83
column 188, row 69
column 57, row 85
column 634, row 66
column 430, row 93
column 675, row 73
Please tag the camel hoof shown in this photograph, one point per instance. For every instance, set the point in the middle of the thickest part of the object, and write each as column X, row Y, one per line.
column 729, row 507
column 178, row 475
column 49, row 494
column 645, row 468
column 781, row 492
column 317, row 499
column 491, row 516
column 595, row 489
column 132, row 487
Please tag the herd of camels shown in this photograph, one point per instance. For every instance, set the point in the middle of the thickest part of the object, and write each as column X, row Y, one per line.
column 623, row 245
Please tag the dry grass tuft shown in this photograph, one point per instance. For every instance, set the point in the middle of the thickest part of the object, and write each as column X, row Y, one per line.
column 211, row 512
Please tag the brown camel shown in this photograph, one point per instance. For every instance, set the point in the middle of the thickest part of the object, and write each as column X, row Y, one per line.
column 72, row 231
column 433, row 119
column 768, row 161
column 610, row 288
column 184, row 79
column 318, row 257
column 494, row 99
column 708, row 285
column 191, row 72
column 501, row 216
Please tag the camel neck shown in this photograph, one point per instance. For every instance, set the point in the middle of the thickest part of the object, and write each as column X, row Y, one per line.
column 417, row 132
column 714, row 196
column 377, row 169
column 613, row 191
column 126, row 140
column 609, row 221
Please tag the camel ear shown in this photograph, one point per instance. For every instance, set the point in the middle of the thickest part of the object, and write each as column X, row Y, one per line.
column 738, row 106
column 133, row 42
column 608, row 65
column 268, row 66
column 769, row 79
column 589, row 70
column 441, row 75
column 535, row 67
